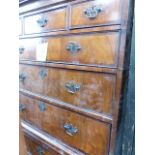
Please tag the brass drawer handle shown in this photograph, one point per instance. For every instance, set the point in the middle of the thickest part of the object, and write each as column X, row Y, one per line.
column 21, row 107
column 21, row 50
column 29, row 153
column 70, row 129
column 72, row 87
column 93, row 11
column 42, row 21
column 73, row 47
column 40, row 150
column 42, row 106
column 43, row 73
column 22, row 77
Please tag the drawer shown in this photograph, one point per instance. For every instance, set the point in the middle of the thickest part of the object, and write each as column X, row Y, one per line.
column 96, row 12
column 82, row 133
column 36, row 147
column 91, row 49
column 46, row 21
column 88, row 90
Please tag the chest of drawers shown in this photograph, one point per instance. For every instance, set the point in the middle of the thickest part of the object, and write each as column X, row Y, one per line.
column 69, row 100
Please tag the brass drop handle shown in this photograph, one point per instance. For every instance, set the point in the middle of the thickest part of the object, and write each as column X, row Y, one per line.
column 42, row 106
column 72, row 87
column 73, row 47
column 22, row 77
column 43, row 73
column 21, row 50
column 29, row 153
column 42, row 21
column 40, row 150
column 21, row 107
column 70, row 129
column 93, row 11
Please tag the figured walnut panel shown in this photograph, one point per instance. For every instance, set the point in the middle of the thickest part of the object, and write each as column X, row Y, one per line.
column 95, row 49
column 96, row 89
column 109, row 15
column 92, row 136
column 34, row 146
column 53, row 21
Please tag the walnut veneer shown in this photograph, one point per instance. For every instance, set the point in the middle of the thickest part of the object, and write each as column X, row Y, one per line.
column 69, row 101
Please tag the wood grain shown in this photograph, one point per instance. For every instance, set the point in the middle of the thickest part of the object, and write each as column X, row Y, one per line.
column 47, row 140
column 100, row 62
column 92, row 136
column 111, row 28
column 103, row 49
column 96, row 89
column 85, row 112
column 74, row 66
column 109, row 15
column 53, row 23
column 34, row 145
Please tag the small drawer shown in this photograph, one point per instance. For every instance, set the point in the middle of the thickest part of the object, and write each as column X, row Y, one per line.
column 82, row 133
column 96, row 12
column 46, row 21
column 36, row 147
column 88, row 90
column 90, row 49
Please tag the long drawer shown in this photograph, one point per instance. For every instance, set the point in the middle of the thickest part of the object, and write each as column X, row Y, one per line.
column 85, row 134
column 88, row 90
column 45, row 21
column 90, row 49
column 96, row 12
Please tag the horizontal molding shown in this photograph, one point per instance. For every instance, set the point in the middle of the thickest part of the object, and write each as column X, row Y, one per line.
column 89, row 113
column 72, row 31
column 41, row 6
column 49, row 139
column 70, row 66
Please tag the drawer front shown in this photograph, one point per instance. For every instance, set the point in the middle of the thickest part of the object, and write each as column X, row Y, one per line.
column 35, row 147
column 92, row 49
column 96, row 13
column 84, row 89
column 85, row 134
column 47, row 21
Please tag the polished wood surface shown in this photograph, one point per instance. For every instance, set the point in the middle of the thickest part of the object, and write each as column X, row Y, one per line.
column 108, row 28
column 95, row 49
column 96, row 89
column 48, row 140
column 40, row 4
column 103, row 49
column 34, row 147
column 109, row 15
column 78, row 67
column 79, row 82
column 85, row 112
column 92, row 136
column 53, row 17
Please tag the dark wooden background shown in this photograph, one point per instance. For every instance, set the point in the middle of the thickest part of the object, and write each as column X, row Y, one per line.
column 125, row 142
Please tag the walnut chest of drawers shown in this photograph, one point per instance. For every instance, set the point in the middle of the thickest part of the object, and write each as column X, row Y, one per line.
column 71, row 66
